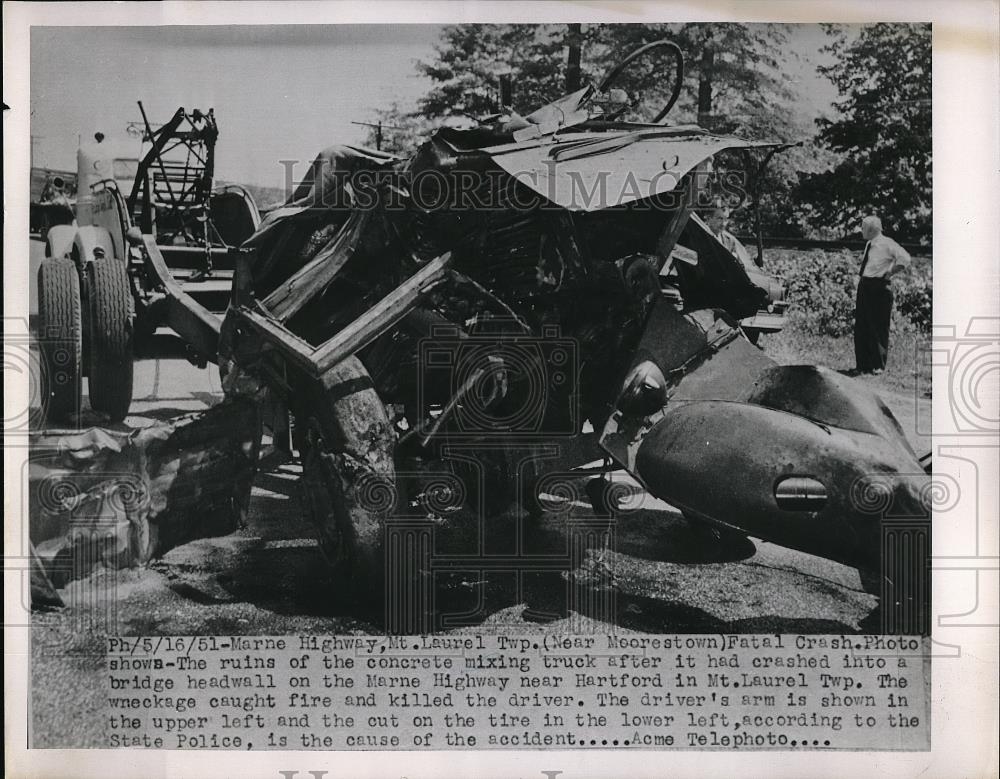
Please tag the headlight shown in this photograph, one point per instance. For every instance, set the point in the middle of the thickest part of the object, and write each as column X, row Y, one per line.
column 645, row 391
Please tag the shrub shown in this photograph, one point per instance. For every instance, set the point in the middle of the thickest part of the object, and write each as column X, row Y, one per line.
column 914, row 298
column 821, row 287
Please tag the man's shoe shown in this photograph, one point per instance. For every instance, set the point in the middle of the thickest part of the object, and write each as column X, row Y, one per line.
column 877, row 372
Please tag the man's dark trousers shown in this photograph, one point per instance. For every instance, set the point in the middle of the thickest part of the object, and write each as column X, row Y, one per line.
column 872, row 311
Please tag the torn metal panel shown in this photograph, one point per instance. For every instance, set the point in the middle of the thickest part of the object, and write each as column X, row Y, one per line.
column 713, row 426
column 131, row 496
column 588, row 173
column 323, row 187
column 311, row 280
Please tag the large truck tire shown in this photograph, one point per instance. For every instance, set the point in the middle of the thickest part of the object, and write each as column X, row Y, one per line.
column 60, row 337
column 110, row 344
column 348, row 478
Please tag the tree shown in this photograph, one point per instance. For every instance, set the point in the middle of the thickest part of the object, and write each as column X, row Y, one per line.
column 883, row 132
column 734, row 83
column 472, row 57
column 544, row 61
column 574, row 55
column 733, row 71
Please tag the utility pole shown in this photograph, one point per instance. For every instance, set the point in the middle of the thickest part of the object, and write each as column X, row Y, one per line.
column 506, row 94
column 378, row 126
column 574, row 50
column 705, row 78
column 378, row 132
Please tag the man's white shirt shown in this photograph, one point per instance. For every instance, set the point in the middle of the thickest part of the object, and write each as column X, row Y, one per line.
column 884, row 254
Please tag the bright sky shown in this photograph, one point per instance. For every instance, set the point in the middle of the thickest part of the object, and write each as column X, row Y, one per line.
column 279, row 92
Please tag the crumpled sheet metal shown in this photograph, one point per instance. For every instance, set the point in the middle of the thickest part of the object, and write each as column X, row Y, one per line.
column 129, row 496
column 735, row 425
column 322, row 186
column 615, row 170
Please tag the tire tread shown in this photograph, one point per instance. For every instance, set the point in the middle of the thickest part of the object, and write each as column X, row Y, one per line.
column 110, row 347
column 60, row 326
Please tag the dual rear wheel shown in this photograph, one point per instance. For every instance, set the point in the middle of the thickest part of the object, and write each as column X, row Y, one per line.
column 85, row 328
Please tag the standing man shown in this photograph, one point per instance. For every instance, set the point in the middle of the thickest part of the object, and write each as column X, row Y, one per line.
column 717, row 222
column 873, row 307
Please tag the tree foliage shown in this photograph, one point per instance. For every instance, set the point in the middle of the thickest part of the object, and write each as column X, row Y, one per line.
column 883, row 133
column 822, row 286
column 472, row 57
column 733, row 72
column 736, row 82
column 874, row 156
column 733, row 82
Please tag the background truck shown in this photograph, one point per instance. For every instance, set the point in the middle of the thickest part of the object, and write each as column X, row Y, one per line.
column 150, row 247
column 52, row 199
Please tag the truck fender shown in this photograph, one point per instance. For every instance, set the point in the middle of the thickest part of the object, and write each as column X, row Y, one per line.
column 59, row 240
column 90, row 238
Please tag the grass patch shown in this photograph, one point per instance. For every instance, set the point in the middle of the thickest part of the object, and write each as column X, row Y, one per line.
column 821, row 287
column 907, row 369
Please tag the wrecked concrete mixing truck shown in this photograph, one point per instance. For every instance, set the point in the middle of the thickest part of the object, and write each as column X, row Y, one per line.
column 513, row 282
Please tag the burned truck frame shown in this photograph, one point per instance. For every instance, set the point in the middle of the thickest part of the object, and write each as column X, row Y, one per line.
column 510, row 283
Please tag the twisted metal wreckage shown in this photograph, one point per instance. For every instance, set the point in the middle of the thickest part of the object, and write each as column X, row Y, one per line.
column 510, row 282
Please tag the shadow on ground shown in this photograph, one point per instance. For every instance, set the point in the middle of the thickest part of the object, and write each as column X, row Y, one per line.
column 647, row 570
